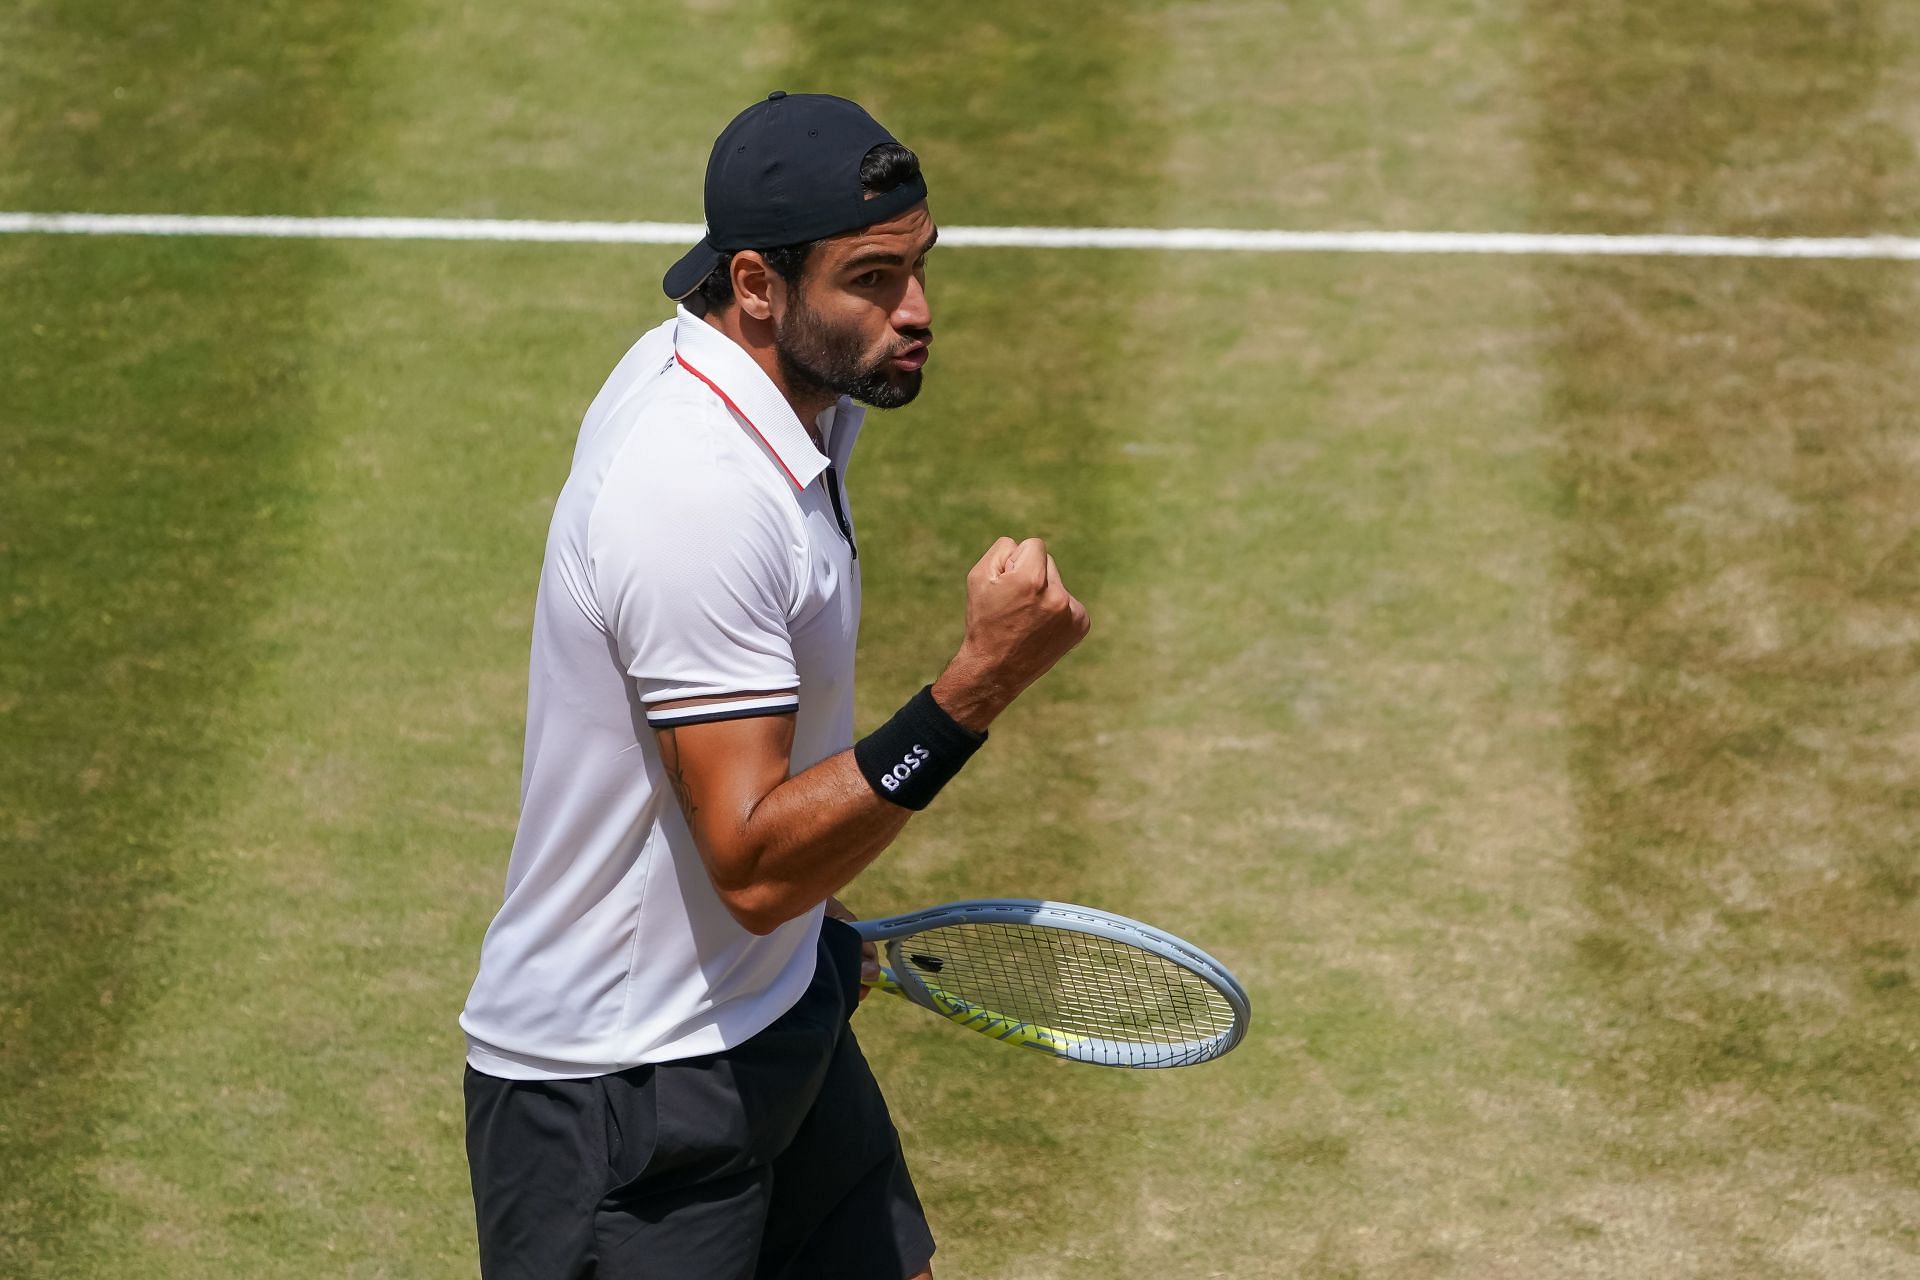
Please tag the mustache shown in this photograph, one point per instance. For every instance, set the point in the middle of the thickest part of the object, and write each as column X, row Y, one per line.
column 914, row 338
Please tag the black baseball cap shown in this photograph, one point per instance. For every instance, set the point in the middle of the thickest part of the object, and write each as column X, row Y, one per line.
column 787, row 171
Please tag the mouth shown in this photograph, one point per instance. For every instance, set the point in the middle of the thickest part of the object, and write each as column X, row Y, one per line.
column 911, row 358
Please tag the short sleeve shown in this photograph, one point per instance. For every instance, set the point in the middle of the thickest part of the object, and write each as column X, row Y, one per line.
column 693, row 570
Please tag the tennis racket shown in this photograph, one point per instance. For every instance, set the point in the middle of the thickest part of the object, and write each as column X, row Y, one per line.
column 1080, row 984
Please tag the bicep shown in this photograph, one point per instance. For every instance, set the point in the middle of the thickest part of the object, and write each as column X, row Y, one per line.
column 723, row 756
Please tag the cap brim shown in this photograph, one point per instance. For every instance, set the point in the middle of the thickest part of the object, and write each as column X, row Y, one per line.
column 684, row 276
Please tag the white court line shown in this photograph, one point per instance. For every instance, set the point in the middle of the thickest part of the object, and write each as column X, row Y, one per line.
column 1893, row 248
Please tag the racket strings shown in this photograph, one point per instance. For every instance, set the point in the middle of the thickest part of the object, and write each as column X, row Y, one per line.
column 1077, row 983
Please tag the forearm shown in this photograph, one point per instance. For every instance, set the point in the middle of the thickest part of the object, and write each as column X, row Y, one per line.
column 803, row 841
column 776, row 846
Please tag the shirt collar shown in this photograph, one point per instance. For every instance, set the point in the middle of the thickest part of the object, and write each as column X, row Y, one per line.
column 840, row 426
column 731, row 374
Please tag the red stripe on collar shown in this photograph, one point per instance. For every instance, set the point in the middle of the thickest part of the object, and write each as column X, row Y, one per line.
column 741, row 414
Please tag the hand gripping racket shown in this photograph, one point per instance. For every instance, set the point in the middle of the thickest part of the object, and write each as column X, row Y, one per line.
column 1081, row 984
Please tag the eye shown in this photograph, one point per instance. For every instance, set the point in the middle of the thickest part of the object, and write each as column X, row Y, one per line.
column 868, row 279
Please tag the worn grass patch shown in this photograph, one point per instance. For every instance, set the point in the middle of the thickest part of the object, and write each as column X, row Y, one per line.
column 1738, row 587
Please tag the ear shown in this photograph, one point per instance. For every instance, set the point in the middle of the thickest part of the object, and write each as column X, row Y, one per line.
column 753, row 284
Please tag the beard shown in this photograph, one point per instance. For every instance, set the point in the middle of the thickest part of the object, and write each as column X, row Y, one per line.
column 815, row 356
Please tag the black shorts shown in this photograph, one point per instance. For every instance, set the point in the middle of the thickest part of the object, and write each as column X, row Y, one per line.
column 775, row 1158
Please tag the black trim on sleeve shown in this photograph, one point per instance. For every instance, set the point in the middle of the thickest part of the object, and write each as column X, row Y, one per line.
column 682, row 717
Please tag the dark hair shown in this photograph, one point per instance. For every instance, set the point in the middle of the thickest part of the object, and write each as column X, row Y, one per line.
column 885, row 167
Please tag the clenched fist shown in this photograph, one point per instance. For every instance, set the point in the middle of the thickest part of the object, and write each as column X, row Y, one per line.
column 1021, row 619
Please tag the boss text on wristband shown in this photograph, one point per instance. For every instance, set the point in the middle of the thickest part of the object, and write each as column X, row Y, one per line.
column 909, row 758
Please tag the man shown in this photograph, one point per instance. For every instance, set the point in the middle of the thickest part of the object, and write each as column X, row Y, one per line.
column 661, row 1077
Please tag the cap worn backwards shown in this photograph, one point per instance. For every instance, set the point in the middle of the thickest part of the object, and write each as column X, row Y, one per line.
column 787, row 171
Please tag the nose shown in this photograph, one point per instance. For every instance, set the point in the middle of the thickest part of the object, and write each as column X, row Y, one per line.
column 913, row 311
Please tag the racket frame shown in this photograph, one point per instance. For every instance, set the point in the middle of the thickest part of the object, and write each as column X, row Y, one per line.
column 890, row 932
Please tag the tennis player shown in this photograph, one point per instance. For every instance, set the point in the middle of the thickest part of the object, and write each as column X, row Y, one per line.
column 662, row 1081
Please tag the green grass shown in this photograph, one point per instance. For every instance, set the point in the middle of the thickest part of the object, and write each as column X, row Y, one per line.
column 1506, row 667
column 1738, row 585
column 152, row 421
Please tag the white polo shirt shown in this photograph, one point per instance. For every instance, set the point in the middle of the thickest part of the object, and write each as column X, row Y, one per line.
column 696, row 550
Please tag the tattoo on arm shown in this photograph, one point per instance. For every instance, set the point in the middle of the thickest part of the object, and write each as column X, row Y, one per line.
column 670, row 756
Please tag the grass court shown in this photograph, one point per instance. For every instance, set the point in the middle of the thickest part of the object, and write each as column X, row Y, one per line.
column 1508, row 666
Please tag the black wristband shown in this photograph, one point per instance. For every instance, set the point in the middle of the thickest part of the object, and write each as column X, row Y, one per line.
column 909, row 758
